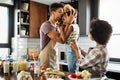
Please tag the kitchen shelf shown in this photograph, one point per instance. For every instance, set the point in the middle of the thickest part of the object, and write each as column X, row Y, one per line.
column 22, row 18
column 24, row 11
column 24, row 23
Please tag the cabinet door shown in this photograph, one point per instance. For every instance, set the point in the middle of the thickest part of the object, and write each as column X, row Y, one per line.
column 38, row 14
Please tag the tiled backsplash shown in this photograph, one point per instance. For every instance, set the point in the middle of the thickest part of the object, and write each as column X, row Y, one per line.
column 20, row 45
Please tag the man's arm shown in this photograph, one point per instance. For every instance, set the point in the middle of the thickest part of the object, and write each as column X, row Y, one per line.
column 66, row 33
column 60, row 37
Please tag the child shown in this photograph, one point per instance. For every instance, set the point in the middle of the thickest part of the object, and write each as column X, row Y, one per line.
column 97, row 59
column 71, row 57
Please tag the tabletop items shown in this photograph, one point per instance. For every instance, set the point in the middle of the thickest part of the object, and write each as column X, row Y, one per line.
column 24, row 69
column 80, row 75
column 23, row 75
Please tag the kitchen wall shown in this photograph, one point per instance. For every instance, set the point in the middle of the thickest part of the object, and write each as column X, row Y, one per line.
column 20, row 45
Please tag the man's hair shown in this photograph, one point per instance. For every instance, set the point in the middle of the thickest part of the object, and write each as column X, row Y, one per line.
column 100, row 30
column 55, row 6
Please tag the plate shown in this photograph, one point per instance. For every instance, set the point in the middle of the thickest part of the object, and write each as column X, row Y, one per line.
column 73, row 78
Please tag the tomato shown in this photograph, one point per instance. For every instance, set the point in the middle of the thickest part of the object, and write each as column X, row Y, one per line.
column 42, row 68
column 73, row 75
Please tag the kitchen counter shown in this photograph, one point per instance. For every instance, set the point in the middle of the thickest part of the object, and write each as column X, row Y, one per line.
column 12, row 76
column 114, row 67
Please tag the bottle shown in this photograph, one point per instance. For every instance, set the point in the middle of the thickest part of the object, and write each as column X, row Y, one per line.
column 37, row 71
column 15, row 66
column 6, row 67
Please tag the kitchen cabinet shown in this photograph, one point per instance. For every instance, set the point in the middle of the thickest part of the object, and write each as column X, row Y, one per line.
column 29, row 16
column 38, row 14
column 61, row 56
column 22, row 18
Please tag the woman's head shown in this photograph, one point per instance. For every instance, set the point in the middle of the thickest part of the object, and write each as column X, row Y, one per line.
column 100, row 31
column 68, row 11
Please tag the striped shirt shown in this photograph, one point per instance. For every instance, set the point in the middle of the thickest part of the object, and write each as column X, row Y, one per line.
column 75, row 34
column 95, row 61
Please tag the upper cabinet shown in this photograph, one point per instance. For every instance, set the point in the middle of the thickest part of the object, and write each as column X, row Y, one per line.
column 38, row 14
column 29, row 16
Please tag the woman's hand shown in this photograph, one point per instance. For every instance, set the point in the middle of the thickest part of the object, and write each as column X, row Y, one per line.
column 69, row 18
column 75, row 47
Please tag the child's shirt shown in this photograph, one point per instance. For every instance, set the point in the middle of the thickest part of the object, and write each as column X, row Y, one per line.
column 75, row 34
column 95, row 61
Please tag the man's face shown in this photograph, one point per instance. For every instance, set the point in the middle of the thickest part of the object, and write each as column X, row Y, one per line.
column 58, row 13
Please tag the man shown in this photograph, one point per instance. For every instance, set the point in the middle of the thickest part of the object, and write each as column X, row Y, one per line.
column 49, row 35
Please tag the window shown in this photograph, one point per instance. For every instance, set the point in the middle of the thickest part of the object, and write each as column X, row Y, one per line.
column 3, row 25
column 109, row 10
column 4, row 31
